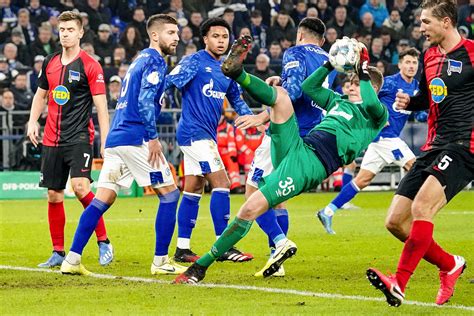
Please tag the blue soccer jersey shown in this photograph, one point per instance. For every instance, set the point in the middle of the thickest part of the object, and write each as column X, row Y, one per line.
column 396, row 118
column 299, row 62
column 203, row 87
column 139, row 104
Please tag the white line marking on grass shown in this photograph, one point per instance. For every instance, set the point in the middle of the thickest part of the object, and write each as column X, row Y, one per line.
column 249, row 288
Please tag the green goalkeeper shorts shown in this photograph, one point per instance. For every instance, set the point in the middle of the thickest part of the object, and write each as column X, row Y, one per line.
column 296, row 167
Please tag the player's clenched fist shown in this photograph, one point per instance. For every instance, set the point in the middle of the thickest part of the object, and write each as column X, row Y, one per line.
column 402, row 100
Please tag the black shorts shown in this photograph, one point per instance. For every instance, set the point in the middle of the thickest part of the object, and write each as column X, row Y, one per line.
column 57, row 162
column 452, row 165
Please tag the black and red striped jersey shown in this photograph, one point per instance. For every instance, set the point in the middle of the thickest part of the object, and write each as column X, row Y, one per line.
column 70, row 90
column 447, row 89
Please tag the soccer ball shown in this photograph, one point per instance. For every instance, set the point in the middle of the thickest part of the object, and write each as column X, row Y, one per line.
column 344, row 54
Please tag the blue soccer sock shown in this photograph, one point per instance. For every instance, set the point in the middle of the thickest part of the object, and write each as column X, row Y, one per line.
column 347, row 176
column 347, row 193
column 87, row 224
column 269, row 224
column 187, row 215
column 220, row 209
column 165, row 222
column 283, row 219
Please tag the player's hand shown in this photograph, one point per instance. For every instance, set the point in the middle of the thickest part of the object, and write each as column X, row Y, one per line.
column 154, row 156
column 246, row 121
column 273, row 81
column 33, row 132
column 402, row 100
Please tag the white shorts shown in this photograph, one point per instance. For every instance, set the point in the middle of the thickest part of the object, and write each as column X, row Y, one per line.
column 122, row 164
column 262, row 162
column 384, row 152
column 201, row 158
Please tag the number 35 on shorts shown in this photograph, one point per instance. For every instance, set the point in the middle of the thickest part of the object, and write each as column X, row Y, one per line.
column 286, row 187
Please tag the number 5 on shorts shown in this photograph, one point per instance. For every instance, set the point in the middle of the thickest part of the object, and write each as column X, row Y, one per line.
column 444, row 163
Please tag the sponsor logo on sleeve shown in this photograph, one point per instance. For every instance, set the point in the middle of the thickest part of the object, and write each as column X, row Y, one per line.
column 100, row 78
column 292, row 64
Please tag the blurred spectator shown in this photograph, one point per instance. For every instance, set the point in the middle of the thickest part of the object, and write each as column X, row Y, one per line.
column 5, row 73
column 299, row 12
column 186, row 37
column 119, row 56
column 132, row 42
column 285, row 43
column 32, row 75
column 376, row 50
column 7, row 106
column 44, row 44
column 66, row 5
column 406, row 11
column 98, row 14
column 395, row 24
column 54, row 24
column 262, row 67
column 123, row 9
column 340, row 22
column 90, row 50
column 312, row 13
column 365, row 38
column 415, row 37
column 388, row 45
column 331, row 37
column 104, row 45
column 23, row 54
column 10, row 52
column 38, row 12
column 382, row 66
column 139, row 22
column 177, row 6
column 228, row 151
column 8, row 13
column 402, row 45
column 113, row 91
column 352, row 11
column 122, row 71
column 190, row 49
column 89, row 35
column 465, row 13
column 28, row 29
column 195, row 24
column 368, row 25
column 23, row 96
column 259, row 30
column 229, row 17
column 378, row 11
column 325, row 12
column 283, row 27
column 276, row 55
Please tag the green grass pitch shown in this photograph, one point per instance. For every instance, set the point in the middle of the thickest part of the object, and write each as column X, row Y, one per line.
column 323, row 264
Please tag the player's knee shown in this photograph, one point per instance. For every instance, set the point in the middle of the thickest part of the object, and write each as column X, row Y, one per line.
column 80, row 189
column 422, row 208
column 55, row 196
column 248, row 211
column 361, row 182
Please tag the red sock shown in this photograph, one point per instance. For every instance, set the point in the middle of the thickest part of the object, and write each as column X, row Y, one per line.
column 57, row 221
column 437, row 256
column 421, row 236
column 100, row 230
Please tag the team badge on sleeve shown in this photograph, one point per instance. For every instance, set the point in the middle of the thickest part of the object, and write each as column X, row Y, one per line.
column 153, row 77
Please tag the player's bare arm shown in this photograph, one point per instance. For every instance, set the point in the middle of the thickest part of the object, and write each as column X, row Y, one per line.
column 100, row 102
column 37, row 107
column 273, row 81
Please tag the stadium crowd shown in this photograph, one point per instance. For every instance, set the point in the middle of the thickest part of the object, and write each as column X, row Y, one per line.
column 115, row 30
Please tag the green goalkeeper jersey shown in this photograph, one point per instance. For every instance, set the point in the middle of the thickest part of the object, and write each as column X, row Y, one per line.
column 355, row 125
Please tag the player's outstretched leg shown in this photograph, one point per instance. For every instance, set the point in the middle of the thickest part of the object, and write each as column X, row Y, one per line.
column 388, row 285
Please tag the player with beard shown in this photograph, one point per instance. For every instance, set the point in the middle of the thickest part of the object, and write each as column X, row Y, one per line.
column 133, row 150
column 203, row 86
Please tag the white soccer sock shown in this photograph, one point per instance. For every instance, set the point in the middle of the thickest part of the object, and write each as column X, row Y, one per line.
column 184, row 243
column 160, row 260
column 328, row 211
column 73, row 258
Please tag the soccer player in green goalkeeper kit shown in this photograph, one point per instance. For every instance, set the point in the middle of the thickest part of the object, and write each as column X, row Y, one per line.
column 349, row 126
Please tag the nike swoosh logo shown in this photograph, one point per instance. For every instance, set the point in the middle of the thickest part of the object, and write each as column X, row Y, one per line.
column 169, row 270
column 84, row 170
